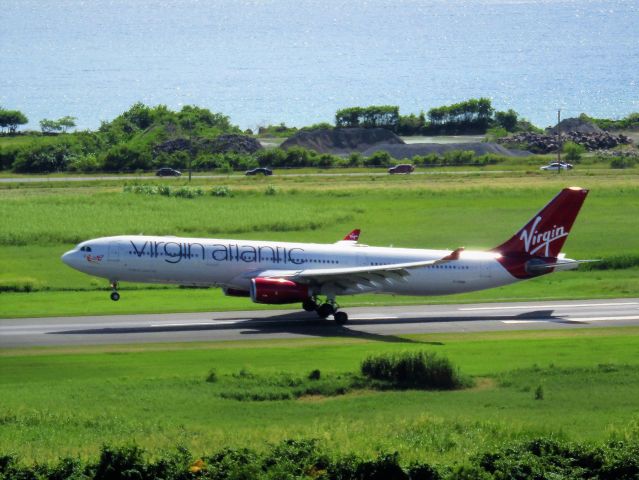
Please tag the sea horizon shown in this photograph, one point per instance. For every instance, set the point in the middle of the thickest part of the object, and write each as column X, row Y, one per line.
column 267, row 62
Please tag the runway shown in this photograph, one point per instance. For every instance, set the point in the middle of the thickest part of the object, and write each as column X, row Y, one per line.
column 380, row 323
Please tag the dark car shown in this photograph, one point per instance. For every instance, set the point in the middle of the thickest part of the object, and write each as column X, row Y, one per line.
column 259, row 170
column 403, row 168
column 168, row 172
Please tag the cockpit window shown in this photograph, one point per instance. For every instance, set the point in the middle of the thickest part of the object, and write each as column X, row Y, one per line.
column 85, row 249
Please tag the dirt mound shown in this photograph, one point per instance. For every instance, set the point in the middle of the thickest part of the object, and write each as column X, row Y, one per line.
column 410, row 150
column 342, row 140
column 574, row 125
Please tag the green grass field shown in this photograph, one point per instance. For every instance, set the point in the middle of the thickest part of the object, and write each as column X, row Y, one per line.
column 72, row 400
column 40, row 222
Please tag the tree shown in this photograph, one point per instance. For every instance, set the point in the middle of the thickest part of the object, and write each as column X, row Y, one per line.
column 66, row 122
column 10, row 119
column 50, row 126
column 375, row 116
column 507, row 120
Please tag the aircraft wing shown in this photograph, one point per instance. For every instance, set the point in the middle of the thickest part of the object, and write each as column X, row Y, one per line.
column 357, row 278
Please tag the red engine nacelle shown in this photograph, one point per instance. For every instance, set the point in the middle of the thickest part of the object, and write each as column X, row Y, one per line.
column 278, row 291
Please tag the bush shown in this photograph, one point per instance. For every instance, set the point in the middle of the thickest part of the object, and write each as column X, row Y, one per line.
column 623, row 162
column 126, row 158
column 413, row 370
column 616, row 262
column 212, row 376
column 573, row 151
column 221, row 191
column 85, row 163
column 43, row 158
column 8, row 156
column 314, row 375
column 379, row 159
column 270, row 190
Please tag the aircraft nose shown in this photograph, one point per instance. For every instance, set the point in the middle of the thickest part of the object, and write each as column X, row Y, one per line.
column 68, row 258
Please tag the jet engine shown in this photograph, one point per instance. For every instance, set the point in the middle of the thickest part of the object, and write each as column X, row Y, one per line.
column 278, row 291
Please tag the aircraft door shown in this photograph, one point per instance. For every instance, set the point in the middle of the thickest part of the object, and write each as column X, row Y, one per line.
column 114, row 252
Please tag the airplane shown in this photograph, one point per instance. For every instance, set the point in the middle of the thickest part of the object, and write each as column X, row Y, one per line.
column 315, row 275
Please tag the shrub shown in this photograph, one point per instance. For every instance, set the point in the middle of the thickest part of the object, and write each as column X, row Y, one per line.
column 188, row 192
column 212, row 376
column 539, row 392
column 573, row 151
column 623, row 162
column 221, row 191
column 42, row 158
column 125, row 158
column 413, row 370
column 85, row 163
column 270, row 190
column 314, row 375
column 123, row 462
column 616, row 262
column 379, row 159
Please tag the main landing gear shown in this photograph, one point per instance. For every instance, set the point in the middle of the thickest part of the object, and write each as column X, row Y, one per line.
column 115, row 296
column 326, row 309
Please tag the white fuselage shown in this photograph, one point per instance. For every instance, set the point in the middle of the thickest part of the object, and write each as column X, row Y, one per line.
column 232, row 263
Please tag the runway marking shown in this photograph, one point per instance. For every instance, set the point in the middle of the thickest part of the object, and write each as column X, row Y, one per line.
column 372, row 317
column 522, row 321
column 520, row 307
column 579, row 319
column 602, row 319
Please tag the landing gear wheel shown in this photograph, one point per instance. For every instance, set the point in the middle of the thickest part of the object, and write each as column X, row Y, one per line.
column 115, row 296
column 340, row 318
column 325, row 310
column 309, row 305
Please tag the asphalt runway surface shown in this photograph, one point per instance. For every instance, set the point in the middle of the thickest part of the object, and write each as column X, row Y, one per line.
column 375, row 323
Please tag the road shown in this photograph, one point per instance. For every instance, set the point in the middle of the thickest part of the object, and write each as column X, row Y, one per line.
column 379, row 323
column 89, row 178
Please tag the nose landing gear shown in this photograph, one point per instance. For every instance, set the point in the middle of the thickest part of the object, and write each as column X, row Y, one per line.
column 115, row 296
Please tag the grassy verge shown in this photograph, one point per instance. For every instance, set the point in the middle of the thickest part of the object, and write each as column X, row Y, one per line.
column 72, row 400
column 135, row 299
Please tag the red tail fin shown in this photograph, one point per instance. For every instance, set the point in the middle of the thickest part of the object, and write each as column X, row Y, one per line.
column 546, row 232
column 353, row 236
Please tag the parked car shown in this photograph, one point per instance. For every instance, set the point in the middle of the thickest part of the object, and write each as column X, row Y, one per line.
column 168, row 172
column 554, row 166
column 403, row 168
column 259, row 170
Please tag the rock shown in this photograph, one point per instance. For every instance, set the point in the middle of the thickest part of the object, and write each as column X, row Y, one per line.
column 232, row 142
column 342, row 140
column 538, row 143
column 408, row 151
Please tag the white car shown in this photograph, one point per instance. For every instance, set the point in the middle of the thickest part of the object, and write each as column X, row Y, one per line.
column 556, row 166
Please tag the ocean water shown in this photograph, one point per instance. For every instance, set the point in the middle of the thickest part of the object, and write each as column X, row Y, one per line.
column 298, row 61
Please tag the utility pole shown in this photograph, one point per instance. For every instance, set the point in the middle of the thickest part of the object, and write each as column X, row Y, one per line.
column 190, row 147
column 558, row 142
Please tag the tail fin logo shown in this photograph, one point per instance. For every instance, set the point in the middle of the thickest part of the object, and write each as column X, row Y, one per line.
column 534, row 240
column 353, row 236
